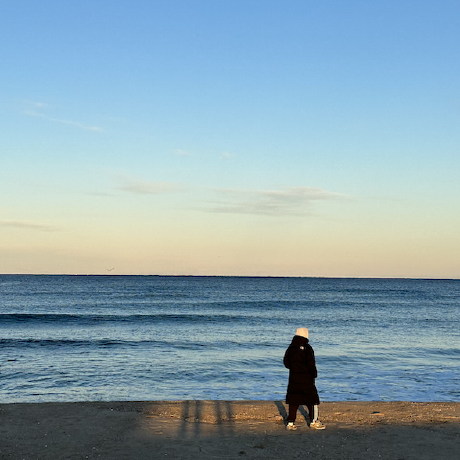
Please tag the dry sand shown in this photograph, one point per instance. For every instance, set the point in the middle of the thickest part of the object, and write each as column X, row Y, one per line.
column 227, row 430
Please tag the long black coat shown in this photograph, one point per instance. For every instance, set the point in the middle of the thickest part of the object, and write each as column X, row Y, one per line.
column 300, row 360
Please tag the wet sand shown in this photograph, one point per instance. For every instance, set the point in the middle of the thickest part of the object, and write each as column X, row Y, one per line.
column 227, row 430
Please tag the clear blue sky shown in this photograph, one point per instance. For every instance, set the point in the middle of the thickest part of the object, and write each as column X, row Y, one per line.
column 299, row 138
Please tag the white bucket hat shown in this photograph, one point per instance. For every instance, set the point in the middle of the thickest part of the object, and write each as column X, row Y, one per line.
column 302, row 331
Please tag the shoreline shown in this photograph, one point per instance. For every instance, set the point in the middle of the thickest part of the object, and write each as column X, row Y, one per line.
column 227, row 429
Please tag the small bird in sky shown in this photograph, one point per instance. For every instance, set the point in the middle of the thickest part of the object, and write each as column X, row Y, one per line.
column 110, row 269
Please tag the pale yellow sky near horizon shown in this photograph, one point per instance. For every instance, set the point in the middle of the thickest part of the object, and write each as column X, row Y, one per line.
column 334, row 239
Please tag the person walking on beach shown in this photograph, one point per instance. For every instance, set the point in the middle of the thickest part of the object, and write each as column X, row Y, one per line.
column 300, row 360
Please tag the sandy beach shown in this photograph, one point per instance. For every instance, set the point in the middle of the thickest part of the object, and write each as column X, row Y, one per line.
column 227, row 430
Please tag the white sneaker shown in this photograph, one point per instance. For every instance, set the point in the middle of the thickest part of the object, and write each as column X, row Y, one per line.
column 291, row 426
column 317, row 425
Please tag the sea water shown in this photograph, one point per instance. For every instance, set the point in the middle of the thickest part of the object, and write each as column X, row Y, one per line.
column 91, row 338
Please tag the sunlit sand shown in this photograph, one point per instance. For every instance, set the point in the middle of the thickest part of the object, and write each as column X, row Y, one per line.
column 227, row 430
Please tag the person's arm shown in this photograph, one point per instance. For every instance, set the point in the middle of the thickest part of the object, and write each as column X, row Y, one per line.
column 311, row 363
column 286, row 360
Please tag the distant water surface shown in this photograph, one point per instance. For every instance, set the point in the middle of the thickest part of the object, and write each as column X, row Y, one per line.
column 82, row 338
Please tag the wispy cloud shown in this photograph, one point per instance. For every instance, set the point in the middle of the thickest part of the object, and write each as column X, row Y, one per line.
column 293, row 200
column 27, row 225
column 77, row 125
column 37, row 109
column 34, row 108
column 182, row 153
column 141, row 187
column 227, row 155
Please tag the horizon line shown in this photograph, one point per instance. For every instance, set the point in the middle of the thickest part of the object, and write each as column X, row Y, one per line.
column 238, row 276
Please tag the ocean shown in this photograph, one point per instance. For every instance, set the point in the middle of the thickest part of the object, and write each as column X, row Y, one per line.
column 106, row 338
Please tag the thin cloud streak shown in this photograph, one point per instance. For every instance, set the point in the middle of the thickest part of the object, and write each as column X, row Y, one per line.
column 77, row 124
column 140, row 187
column 290, row 201
column 182, row 153
column 227, row 156
column 34, row 111
column 26, row 225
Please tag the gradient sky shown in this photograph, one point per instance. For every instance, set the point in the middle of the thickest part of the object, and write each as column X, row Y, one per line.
column 230, row 137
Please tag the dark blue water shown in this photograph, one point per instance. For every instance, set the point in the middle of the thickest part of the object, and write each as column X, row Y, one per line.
column 80, row 338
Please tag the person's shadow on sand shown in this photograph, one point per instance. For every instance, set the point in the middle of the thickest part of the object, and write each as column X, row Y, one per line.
column 193, row 413
column 220, row 413
column 283, row 412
